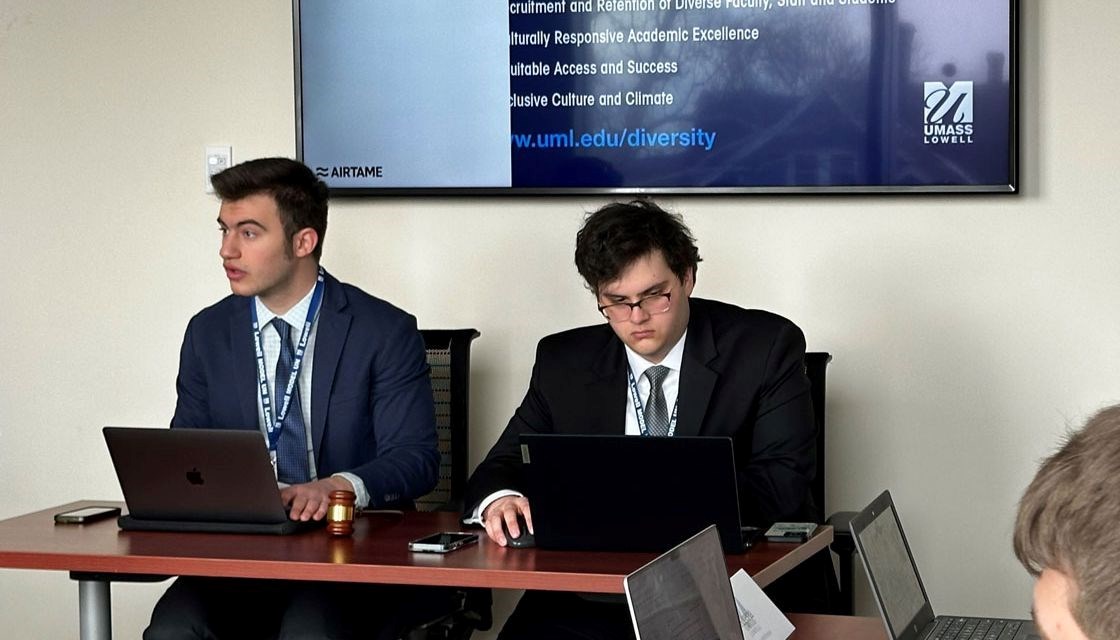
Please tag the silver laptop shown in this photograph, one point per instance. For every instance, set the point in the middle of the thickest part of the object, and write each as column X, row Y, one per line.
column 903, row 603
column 684, row 593
column 209, row 480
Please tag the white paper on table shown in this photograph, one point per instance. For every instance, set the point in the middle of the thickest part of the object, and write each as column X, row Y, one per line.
column 758, row 615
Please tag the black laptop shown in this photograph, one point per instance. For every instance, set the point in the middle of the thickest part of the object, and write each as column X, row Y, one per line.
column 903, row 603
column 204, row 480
column 630, row 493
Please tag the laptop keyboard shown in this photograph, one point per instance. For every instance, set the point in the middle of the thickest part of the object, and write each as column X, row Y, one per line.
column 974, row 629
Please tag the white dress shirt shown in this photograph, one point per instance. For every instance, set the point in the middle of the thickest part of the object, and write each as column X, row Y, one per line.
column 270, row 343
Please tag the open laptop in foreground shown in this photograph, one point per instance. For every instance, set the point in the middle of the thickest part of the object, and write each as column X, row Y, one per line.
column 208, row 480
column 898, row 588
column 684, row 593
column 630, row 493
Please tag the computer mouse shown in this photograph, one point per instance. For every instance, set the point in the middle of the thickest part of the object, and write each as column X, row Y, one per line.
column 523, row 541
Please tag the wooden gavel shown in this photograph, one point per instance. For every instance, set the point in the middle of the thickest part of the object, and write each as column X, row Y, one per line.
column 340, row 513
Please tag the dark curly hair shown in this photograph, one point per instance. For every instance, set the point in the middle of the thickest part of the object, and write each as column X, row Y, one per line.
column 301, row 198
column 619, row 233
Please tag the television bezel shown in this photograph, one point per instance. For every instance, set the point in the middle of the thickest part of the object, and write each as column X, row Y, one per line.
column 1011, row 188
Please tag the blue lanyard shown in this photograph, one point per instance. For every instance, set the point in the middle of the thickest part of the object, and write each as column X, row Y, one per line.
column 274, row 426
column 638, row 413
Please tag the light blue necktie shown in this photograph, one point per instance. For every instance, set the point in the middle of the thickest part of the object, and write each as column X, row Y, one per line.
column 291, row 450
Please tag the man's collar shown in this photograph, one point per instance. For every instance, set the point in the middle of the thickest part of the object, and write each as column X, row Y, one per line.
column 295, row 316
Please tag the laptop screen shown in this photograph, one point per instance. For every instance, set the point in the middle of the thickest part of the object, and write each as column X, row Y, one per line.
column 202, row 475
column 685, row 594
column 703, row 491
column 893, row 574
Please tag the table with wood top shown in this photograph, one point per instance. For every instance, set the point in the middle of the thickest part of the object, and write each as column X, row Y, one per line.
column 376, row 553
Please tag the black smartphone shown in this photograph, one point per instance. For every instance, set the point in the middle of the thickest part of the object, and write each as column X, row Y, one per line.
column 86, row 515
column 442, row 542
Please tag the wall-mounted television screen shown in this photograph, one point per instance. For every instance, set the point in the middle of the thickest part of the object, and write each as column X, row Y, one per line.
column 657, row 96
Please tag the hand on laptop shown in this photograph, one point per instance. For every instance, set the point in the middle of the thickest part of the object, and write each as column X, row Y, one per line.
column 506, row 509
column 309, row 501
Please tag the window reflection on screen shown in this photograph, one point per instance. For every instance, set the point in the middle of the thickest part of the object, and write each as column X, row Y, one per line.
column 685, row 594
column 895, row 577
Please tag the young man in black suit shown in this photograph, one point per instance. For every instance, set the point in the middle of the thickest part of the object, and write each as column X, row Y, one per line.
column 664, row 364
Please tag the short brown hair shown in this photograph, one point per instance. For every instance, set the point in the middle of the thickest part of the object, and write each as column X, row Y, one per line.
column 1069, row 520
column 301, row 197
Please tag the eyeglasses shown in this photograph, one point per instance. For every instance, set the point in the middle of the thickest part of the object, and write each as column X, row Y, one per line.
column 620, row 311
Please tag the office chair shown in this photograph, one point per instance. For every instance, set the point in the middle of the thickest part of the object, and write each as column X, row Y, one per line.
column 816, row 362
column 449, row 357
column 456, row 613
column 811, row 586
column 841, row 599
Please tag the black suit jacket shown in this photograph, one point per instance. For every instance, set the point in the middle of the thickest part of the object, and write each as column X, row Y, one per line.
column 742, row 375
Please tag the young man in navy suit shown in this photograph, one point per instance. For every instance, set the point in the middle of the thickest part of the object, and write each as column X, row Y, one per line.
column 722, row 371
column 357, row 414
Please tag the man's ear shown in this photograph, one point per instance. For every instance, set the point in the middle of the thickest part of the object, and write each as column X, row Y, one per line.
column 304, row 242
column 689, row 282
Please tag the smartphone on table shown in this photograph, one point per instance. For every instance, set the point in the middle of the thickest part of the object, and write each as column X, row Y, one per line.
column 442, row 542
column 86, row 515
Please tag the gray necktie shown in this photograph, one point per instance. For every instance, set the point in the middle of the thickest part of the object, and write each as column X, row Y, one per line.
column 656, row 413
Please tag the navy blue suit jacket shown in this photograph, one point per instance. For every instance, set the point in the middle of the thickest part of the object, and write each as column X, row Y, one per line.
column 742, row 375
column 371, row 400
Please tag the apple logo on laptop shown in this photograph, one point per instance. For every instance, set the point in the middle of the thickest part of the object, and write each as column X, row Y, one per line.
column 194, row 476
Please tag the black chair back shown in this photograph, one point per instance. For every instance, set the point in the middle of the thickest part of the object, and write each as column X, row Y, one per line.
column 449, row 357
column 815, row 364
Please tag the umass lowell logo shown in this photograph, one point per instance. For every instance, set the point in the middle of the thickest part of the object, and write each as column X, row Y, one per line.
column 948, row 113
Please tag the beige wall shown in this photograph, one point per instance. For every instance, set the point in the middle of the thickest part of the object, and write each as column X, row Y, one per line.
column 967, row 332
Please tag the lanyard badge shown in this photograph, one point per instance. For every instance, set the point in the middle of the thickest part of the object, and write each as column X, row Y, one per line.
column 273, row 425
